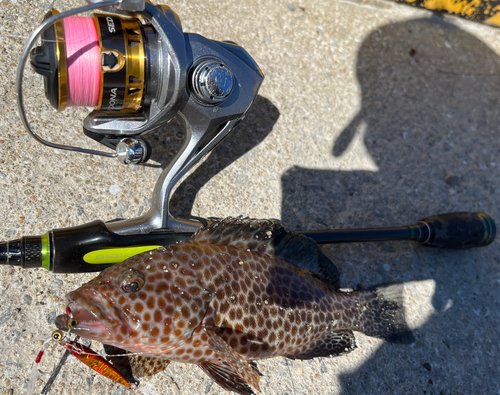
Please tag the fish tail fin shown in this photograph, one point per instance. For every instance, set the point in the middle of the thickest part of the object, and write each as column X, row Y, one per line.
column 383, row 314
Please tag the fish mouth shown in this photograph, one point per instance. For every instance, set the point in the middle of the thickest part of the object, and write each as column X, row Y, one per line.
column 92, row 315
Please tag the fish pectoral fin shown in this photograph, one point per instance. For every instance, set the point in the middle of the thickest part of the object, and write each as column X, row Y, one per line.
column 226, row 377
column 335, row 343
column 255, row 367
column 230, row 367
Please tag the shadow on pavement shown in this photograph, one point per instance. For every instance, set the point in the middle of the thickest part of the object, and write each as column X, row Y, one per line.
column 429, row 119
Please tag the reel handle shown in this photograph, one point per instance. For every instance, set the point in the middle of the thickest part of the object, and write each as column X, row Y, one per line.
column 459, row 230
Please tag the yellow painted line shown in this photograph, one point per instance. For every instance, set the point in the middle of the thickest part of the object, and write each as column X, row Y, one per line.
column 495, row 19
column 453, row 6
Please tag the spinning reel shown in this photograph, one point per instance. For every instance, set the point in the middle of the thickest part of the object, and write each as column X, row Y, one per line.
column 138, row 69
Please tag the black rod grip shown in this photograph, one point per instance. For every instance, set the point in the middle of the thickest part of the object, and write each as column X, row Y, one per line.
column 70, row 245
column 459, row 230
column 65, row 250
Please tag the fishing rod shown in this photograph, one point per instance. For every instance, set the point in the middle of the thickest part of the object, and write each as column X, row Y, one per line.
column 93, row 247
column 134, row 64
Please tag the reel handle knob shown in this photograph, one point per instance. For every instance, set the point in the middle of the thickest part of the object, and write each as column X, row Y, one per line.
column 133, row 151
column 459, row 230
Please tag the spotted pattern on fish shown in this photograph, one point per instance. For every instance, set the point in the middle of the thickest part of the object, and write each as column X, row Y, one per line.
column 227, row 296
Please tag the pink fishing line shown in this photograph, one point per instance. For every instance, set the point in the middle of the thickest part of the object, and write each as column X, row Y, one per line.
column 83, row 61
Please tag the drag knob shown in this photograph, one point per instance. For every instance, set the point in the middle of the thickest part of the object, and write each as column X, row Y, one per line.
column 212, row 82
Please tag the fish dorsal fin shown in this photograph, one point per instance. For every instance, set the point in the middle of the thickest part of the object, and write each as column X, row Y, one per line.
column 270, row 238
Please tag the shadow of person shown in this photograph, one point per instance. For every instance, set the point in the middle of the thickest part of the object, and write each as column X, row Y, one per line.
column 429, row 119
column 256, row 125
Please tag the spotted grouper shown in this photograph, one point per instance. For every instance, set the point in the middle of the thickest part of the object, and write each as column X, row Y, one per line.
column 237, row 291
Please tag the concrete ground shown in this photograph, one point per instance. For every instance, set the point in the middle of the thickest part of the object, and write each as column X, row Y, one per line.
column 371, row 114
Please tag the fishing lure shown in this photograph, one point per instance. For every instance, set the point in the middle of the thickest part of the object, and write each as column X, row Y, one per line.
column 91, row 359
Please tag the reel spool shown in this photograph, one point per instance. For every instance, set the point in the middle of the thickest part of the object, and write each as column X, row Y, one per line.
column 138, row 69
column 94, row 61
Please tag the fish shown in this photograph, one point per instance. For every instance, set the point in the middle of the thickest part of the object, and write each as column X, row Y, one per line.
column 238, row 291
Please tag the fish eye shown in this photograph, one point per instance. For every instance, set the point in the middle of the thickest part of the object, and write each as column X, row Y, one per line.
column 57, row 336
column 133, row 281
column 132, row 286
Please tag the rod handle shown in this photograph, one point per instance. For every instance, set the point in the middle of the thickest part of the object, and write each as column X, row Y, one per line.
column 459, row 230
